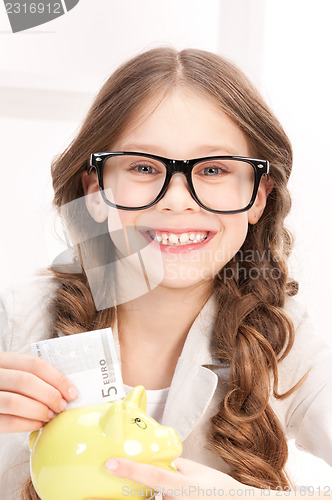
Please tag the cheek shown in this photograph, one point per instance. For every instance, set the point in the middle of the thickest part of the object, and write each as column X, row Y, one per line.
column 228, row 243
column 119, row 219
column 124, row 232
column 119, row 222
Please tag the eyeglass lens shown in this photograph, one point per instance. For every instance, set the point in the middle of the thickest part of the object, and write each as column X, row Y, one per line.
column 219, row 184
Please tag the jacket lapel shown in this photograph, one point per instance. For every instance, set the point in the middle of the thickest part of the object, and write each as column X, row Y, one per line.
column 190, row 394
column 193, row 384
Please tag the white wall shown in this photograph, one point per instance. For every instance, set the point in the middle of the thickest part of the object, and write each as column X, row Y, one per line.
column 297, row 75
column 48, row 76
column 78, row 50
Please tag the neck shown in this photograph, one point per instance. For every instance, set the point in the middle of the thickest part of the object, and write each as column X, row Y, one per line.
column 160, row 320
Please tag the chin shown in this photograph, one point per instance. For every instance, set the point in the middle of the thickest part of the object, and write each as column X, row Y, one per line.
column 178, row 280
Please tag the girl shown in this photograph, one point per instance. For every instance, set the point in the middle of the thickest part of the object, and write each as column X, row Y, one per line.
column 180, row 157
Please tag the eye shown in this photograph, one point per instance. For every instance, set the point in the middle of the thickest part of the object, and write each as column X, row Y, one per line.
column 140, row 423
column 142, row 168
column 211, row 170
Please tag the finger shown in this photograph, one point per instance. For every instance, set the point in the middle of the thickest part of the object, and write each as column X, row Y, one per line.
column 41, row 369
column 149, row 475
column 10, row 423
column 190, row 467
column 30, row 385
column 21, row 406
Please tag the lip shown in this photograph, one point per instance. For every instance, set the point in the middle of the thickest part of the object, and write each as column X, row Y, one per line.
column 180, row 248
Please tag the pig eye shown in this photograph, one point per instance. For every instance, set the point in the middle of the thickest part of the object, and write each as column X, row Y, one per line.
column 139, row 422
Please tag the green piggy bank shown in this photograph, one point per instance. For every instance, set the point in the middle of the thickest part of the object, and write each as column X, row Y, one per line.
column 68, row 454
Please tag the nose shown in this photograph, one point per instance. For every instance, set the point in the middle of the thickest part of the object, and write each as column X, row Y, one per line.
column 170, row 444
column 178, row 197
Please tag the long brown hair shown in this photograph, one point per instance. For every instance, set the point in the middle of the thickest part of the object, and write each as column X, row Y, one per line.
column 252, row 330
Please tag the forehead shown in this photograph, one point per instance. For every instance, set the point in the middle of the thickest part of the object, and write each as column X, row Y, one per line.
column 182, row 123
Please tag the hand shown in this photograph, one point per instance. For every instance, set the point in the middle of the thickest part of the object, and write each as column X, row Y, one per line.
column 174, row 485
column 31, row 392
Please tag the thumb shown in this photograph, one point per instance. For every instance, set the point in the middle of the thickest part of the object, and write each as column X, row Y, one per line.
column 149, row 475
column 189, row 467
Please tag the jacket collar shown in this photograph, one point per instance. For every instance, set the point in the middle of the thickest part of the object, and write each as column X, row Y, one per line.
column 197, row 347
column 196, row 375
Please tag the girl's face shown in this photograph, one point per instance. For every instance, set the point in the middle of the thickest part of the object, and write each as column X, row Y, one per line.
column 183, row 126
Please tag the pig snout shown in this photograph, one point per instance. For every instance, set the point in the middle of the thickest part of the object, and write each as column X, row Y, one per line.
column 167, row 444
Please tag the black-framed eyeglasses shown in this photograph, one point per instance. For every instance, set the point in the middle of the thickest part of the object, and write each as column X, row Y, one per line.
column 221, row 184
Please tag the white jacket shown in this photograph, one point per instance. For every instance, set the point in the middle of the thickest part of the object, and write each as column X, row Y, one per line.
column 198, row 385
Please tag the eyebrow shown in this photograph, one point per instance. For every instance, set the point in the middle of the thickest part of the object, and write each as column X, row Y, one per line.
column 201, row 151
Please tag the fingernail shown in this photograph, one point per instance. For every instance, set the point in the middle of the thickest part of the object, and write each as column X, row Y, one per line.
column 72, row 393
column 112, row 464
column 50, row 414
column 63, row 405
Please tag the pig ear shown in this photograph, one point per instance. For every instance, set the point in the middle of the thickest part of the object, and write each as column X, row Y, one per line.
column 112, row 422
column 136, row 398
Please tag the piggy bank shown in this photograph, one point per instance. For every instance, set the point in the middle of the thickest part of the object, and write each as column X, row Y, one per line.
column 68, row 454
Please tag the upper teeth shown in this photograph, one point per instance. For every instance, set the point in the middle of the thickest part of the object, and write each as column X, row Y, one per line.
column 179, row 239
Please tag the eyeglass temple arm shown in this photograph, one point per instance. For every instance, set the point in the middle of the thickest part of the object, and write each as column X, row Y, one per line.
column 90, row 165
column 267, row 170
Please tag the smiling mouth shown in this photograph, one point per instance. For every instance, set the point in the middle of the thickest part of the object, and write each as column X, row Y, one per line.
column 178, row 239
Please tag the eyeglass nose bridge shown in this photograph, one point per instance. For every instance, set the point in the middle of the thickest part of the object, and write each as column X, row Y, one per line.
column 178, row 167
